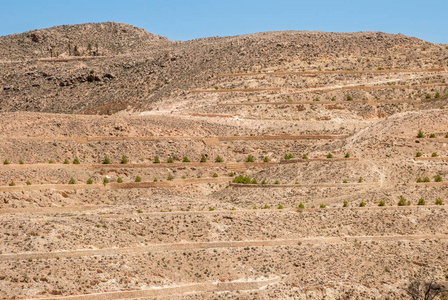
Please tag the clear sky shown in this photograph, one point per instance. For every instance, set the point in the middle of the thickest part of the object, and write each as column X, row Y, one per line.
column 185, row 19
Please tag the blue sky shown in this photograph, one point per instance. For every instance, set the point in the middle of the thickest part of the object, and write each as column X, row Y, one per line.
column 184, row 20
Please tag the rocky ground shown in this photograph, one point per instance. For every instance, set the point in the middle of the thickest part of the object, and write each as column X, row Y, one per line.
column 325, row 127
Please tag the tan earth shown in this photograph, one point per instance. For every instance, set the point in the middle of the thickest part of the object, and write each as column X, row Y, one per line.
column 322, row 128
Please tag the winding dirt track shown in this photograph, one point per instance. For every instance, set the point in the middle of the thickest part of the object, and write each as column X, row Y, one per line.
column 173, row 290
column 211, row 245
column 336, row 72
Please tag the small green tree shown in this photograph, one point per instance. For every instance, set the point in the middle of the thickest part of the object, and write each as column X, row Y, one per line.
column 280, row 206
column 12, row 183
column 301, row 206
column 360, row 180
column 322, row 205
column 349, row 98
column 218, row 159
column 266, row 159
column 347, row 155
column 421, row 201
column 124, row 160
column 138, row 179
column 72, row 181
column 76, row 161
column 329, row 155
column 345, row 204
column 66, row 162
column 203, row 159
column 439, row 201
column 434, row 154
column 185, row 160
column 156, row 160
column 106, row 160
column 432, row 136
column 418, row 154
column 402, row 201
column 276, row 182
column 304, row 156
column 419, row 180
column 105, row 180
column 345, row 181
column 263, row 181
column 215, row 175
column 288, row 156
column 6, row 162
column 426, row 179
column 170, row 160
column 170, row 177
column 438, row 178
column 28, row 182
column 89, row 181
column 428, row 96
column 381, row 203
column 155, row 179
column 250, row 159
column 51, row 161
column 362, row 204
column 21, row 162
column 254, row 181
column 420, row 134
column 120, row 180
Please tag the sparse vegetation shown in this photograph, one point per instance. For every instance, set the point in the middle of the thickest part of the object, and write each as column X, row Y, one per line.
column 106, row 160
column 105, row 180
column 156, row 160
column 66, row 162
column 301, row 206
column 72, row 181
column 185, row 160
column 215, row 175
column 12, row 183
column 432, row 136
column 89, row 181
column 304, row 156
column 426, row 179
column 170, row 160
column 124, row 160
column 76, row 161
column 138, row 179
column 381, row 203
column 250, row 159
column 347, row 155
column 402, row 201
column 418, row 154
column 218, row 159
column 288, row 156
column 266, row 159
column 421, row 201
column 203, row 159
column 280, row 206
column 276, row 182
column 345, row 203
column 438, row 178
column 120, row 180
column 362, row 204
column 420, row 134
column 434, row 154
column 28, row 182
column 438, row 201
column 170, row 177
column 322, row 205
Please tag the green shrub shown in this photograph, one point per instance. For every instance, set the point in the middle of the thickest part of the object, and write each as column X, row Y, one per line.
column 362, row 204
column 231, row 174
column 428, row 96
column 296, row 182
column 185, row 160
column 347, row 155
column 382, row 203
column 21, row 162
column 105, row 180
column 66, row 162
column 304, row 156
column 106, row 160
column 421, row 201
column 76, row 161
column 345, row 204
column 379, row 68
column 255, row 207
column 203, row 159
column 418, row 154
column 242, row 179
column 420, row 134
column 156, row 160
column 218, row 159
column 360, row 180
column 301, row 206
column 250, row 159
column 72, row 181
column 51, row 161
column 333, row 99
column 276, row 182
column 402, row 201
column 120, row 180
column 345, row 181
column 28, row 182
column 439, row 201
column 89, row 181
column 438, row 178
column 349, row 98
column 124, row 160
column 432, row 136
column 446, row 135
column 211, row 209
column 138, row 179
column 155, row 179
column 215, row 175
column 426, row 179
column 437, row 95
column 254, row 181
column 419, row 180
column 316, row 99
column 330, row 155
column 280, row 206
column 265, row 207
column 266, row 159
column 12, row 183
column 322, row 205
column 263, row 181
column 6, row 162
column 434, row 154
column 216, row 87
column 170, row 160
column 139, row 211
column 288, row 156
column 170, row 177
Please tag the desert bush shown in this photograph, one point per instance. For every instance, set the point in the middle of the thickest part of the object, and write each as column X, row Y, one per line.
column 124, row 160
column 215, row 175
column 322, row 205
column 250, row 159
column 242, row 179
column 6, row 162
column 170, row 177
column 360, row 180
column 437, row 95
column 51, row 161
column 156, row 160
column 402, row 201
column 120, row 180
column 263, row 181
column 28, row 182
column 72, row 181
column 66, row 162
column 138, row 179
column 21, row 162
column 434, row 154
column 421, row 201
column 428, row 96
column 432, row 136
column 185, row 160
column 89, row 181
column 345, row 204
column 266, row 159
column 446, row 136
column 218, row 159
column 349, row 98
column 280, row 206
column 347, row 155
column 438, row 202
column 304, row 156
column 438, row 178
column 105, row 180
column 231, row 174
column 139, row 211
column 301, row 206
column 265, row 207
column 426, row 179
column 362, row 204
column 288, row 156
column 106, row 160
column 155, row 179
column 12, row 183
column 170, row 160
column 418, row 154
column 203, row 159
column 211, row 209
column 276, row 182
column 381, row 203
column 419, row 180
column 329, row 155
column 76, row 161
column 420, row 134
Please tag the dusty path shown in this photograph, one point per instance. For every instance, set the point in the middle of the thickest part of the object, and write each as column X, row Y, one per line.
column 211, row 245
column 336, row 72
column 209, row 287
